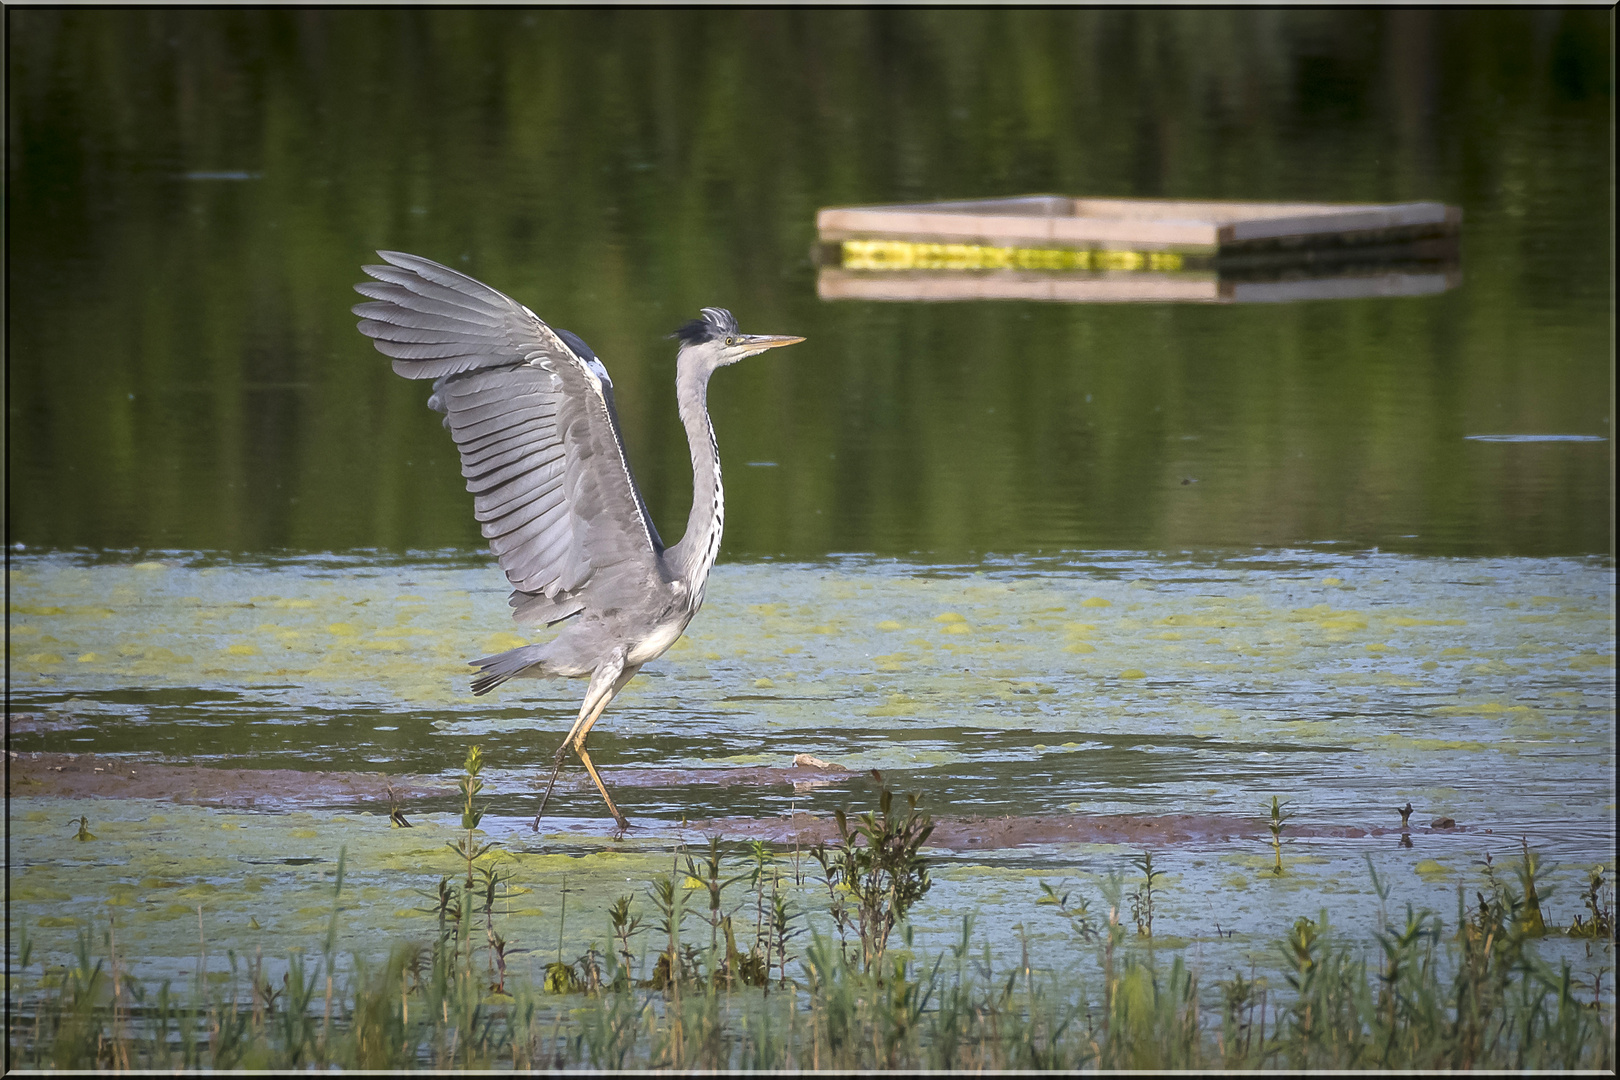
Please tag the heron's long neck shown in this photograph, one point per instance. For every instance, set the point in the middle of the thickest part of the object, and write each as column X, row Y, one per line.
column 694, row 555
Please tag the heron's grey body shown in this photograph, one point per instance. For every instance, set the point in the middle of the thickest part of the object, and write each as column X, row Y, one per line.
column 531, row 410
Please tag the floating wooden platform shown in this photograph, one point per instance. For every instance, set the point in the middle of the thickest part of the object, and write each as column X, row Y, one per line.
column 1187, row 227
column 1053, row 247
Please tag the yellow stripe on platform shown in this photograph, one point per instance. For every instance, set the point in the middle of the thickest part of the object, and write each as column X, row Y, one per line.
column 906, row 255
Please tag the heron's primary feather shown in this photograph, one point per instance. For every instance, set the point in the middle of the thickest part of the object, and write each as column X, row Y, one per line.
column 532, row 414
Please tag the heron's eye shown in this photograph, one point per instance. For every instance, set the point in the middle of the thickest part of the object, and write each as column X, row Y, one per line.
column 731, row 341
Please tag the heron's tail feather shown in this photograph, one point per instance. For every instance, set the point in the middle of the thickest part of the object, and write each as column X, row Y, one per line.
column 494, row 670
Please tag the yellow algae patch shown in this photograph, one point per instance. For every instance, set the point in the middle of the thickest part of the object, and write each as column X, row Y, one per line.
column 1588, row 661
column 1268, row 861
column 1218, row 621
column 37, row 894
column 1343, row 622
column 41, row 659
column 764, row 683
column 342, row 629
column 505, row 639
column 1455, row 650
column 1168, row 635
column 293, row 603
column 242, row 649
column 88, row 658
column 1376, row 646
column 1096, row 601
column 1483, row 708
column 1407, row 742
column 889, row 624
column 1133, row 673
column 949, row 617
column 1428, row 868
column 1081, row 647
column 957, row 628
column 897, row 705
column 25, row 609
column 1331, row 581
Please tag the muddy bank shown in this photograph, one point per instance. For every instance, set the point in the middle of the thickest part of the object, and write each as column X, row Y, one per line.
column 1133, row 830
column 96, row 776
column 93, row 776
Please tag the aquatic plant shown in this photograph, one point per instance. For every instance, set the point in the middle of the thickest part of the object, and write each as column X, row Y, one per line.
column 470, row 784
column 1142, row 898
column 1280, row 814
column 1078, row 914
column 1417, row 994
column 875, row 873
column 1599, row 900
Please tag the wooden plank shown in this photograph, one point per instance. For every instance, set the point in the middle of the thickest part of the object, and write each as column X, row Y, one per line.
column 1146, row 234
column 1218, row 212
column 1342, row 220
column 1012, row 230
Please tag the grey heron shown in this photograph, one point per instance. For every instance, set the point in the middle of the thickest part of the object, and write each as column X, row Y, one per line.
column 530, row 407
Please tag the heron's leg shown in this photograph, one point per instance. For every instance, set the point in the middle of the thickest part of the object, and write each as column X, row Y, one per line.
column 585, row 760
column 562, row 750
column 605, row 682
column 625, row 675
column 557, row 763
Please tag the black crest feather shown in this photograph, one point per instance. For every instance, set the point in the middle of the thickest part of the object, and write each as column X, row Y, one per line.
column 715, row 323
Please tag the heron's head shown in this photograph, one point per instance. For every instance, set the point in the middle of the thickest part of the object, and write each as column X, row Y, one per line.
column 714, row 340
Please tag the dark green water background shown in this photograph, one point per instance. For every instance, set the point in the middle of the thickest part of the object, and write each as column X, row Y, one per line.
column 191, row 194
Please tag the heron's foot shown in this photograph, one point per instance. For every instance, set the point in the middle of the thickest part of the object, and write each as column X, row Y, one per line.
column 550, row 787
column 621, row 826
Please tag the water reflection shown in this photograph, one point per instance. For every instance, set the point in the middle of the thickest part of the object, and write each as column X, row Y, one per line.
column 184, row 372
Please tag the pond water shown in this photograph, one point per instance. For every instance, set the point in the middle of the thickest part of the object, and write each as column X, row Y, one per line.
column 1023, row 699
column 1044, row 562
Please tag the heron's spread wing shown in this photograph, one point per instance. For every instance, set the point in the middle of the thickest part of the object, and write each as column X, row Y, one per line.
column 535, row 424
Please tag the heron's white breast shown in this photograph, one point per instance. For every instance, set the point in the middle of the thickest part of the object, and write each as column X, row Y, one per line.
column 658, row 642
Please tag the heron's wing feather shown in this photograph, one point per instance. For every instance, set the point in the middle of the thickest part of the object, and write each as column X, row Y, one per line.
column 535, row 424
